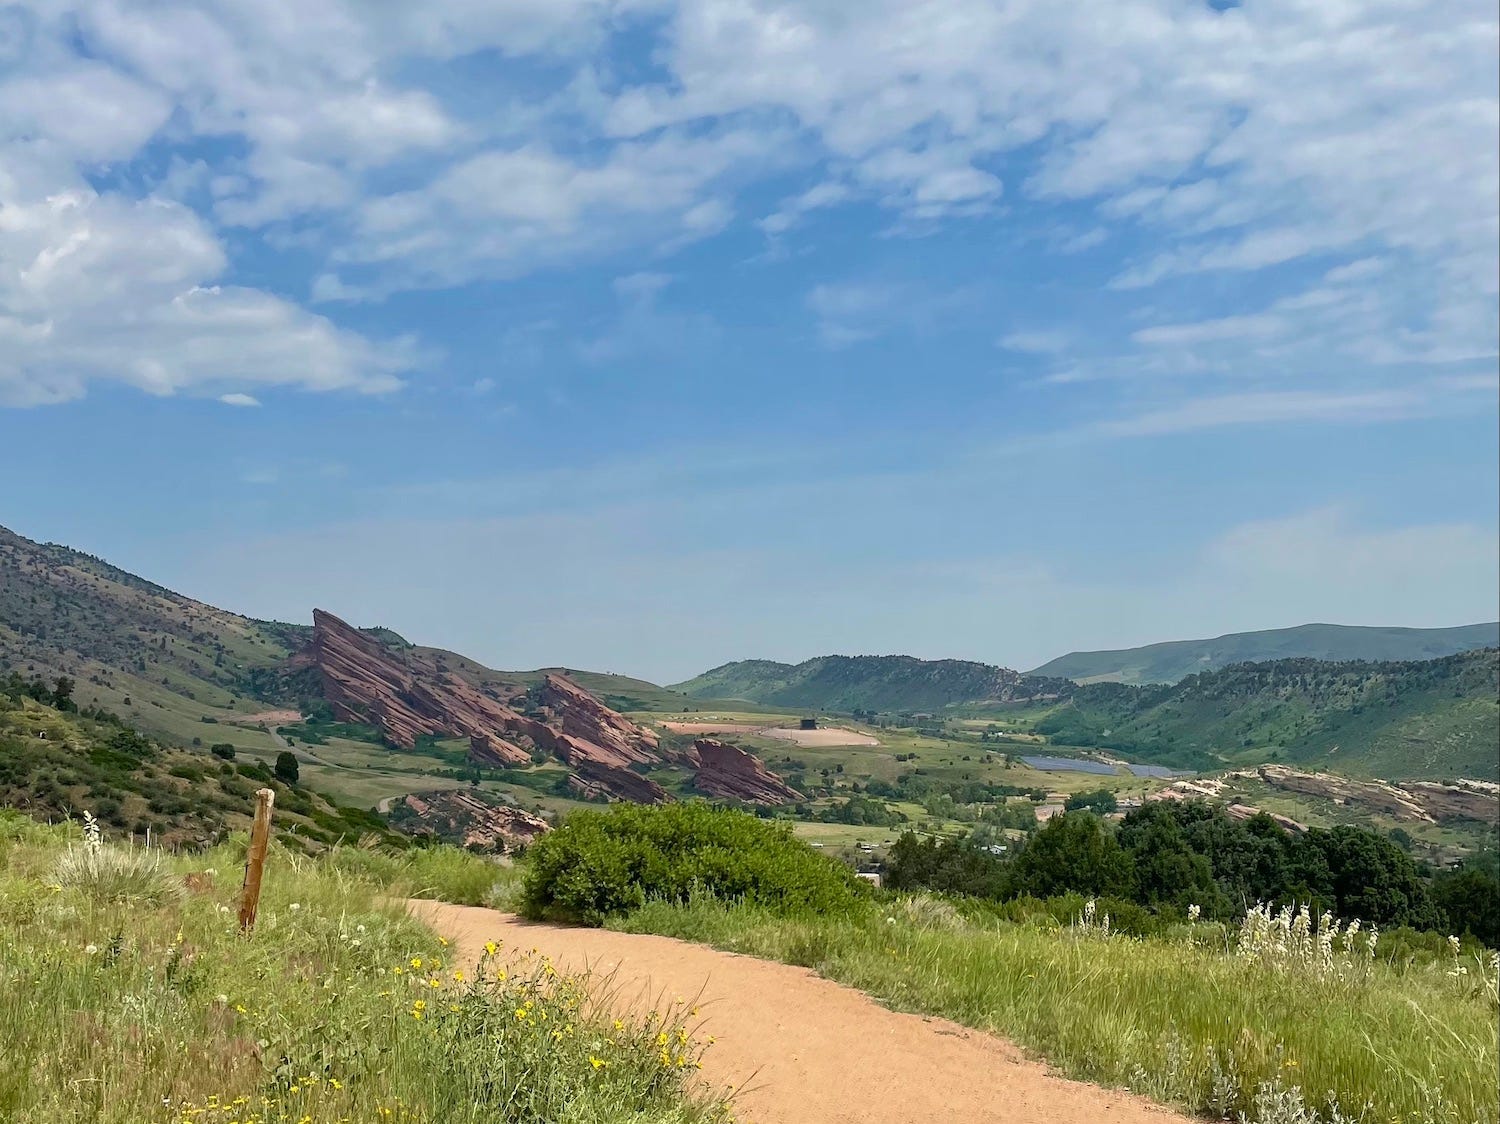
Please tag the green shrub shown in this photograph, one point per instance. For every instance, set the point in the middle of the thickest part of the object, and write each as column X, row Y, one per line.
column 609, row 862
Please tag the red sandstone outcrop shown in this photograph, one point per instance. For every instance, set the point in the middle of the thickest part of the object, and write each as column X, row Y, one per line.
column 626, row 784
column 586, row 718
column 1245, row 811
column 731, row 773
column 408, row 693
column 1464, row 799
column 1378, row 795
column 471, row 819
column 404, row 694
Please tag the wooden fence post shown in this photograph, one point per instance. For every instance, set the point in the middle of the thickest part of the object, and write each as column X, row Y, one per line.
column 255, row 858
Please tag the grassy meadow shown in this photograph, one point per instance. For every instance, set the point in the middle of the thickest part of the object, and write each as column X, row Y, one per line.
column 1188, row 1019
column 127, row 997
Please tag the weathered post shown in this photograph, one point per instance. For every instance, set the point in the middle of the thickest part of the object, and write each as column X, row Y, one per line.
column 255, row 859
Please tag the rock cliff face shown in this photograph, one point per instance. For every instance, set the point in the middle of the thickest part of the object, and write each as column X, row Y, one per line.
column 404, row 694
column 468, row 819
column 407, row 693
column 1418, row 801
column 731, row 773
column 1465, row 799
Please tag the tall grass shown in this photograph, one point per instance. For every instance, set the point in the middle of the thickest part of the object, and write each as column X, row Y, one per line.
column 1186, row 1021
column 135, row 1009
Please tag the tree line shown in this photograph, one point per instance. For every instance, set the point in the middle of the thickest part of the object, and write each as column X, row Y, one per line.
column 1169, row 855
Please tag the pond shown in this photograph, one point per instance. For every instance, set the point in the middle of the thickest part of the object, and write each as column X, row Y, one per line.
column 1070, row 765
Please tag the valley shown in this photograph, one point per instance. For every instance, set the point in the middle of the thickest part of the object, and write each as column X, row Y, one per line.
column 880, row 820
column 852, row 751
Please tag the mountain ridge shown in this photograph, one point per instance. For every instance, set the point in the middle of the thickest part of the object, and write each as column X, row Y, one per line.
column 1172, row 660
column 872, row 683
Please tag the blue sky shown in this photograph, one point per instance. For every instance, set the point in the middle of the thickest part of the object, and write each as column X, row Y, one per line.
column 645, row 335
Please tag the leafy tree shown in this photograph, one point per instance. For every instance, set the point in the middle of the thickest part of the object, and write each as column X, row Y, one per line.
column 1359, row 873
column 1100, row 800
column 62, row 693
column 224, row 751
column 1470, row 900
column 1073, row 852
column 287, row 770
column 1168, row 871
column 951, row 866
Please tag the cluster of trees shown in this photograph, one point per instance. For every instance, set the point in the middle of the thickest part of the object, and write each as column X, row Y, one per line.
column 918, row 786
column 1100, row 800
column 59, row 694
column 859, row 809
column 1167, row 856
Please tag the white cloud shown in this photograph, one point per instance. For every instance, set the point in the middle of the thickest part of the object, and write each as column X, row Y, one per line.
column 851, row 312
column 95, row 288
column 505, row 213
column 1237, row 141
column 239, row 400
column 793, row 210
column 1433, row 398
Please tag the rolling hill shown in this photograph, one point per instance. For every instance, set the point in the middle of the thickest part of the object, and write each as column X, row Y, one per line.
column 56, row 763
column 1176, row 659
column 369, row 714
column 870, row 683
column 1396, row 720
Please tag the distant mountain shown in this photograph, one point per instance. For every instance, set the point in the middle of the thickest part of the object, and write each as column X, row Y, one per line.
column 1176, row 659
column 1396, row 720
column 875, row 683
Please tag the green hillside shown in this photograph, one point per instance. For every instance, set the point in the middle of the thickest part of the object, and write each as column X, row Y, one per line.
column 1176, row 659
column 869, row 683
column 1396, row 720
column 57, row 763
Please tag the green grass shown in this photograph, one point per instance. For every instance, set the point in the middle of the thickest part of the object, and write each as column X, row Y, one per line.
column 1183, row 1022
column 337, row 1008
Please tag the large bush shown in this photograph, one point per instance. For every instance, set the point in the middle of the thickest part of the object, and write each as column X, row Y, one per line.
column 609, row 862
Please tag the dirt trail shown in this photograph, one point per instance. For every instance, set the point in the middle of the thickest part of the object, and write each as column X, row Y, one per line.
column 806, row 1050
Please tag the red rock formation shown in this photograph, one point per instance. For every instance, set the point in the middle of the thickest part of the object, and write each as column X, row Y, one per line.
column 587, row 719
column 1462, row 800
column 1245, row 811
column 403, row 694
column 408, row 693
column 586, row 790
column 470, row 819
column 626, row 784
column 731, row 773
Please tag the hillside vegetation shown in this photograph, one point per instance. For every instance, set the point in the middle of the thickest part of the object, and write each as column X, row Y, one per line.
column 869, row 683
column 1177, row 659
column 56, row 763
column 1430, row 718
column 129, row 999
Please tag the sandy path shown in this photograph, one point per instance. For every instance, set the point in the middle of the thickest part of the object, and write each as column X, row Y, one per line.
column 806, row 1050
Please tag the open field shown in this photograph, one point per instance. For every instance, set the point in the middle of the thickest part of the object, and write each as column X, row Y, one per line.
column 823, row 736
column 710, row 727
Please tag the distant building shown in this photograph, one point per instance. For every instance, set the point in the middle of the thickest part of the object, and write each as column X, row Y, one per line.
column 808, row 724
column 872, row 876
